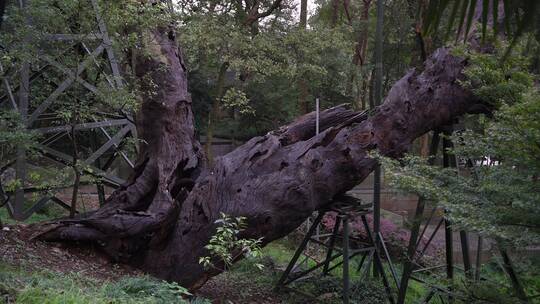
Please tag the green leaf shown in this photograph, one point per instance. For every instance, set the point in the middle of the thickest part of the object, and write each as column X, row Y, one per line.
column 527, row 19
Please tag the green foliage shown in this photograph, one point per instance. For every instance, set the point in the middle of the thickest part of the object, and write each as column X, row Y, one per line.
column 23, row 41
column 52, row 62
column 124, row 98
column 265, row 66
column 48, row 213
column 127, row 20
column 13, row 134
column 135, row 288
column 495, row 286
column 519, row 16
column 17, row 285
column 497, row 82
column 250, row 281
column 237, row 99
column 226, row 246
column 368, row 292
column 265, row 60
column 488, row 292
column 499, row 196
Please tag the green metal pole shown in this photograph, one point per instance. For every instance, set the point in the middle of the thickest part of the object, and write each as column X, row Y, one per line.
column 346, row 281
column 408, row 265
column 377, row 92
column 448, row 234
column 509, row 269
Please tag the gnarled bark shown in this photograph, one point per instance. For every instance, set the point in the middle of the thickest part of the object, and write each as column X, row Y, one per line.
column 139, row 214
column 163, row 217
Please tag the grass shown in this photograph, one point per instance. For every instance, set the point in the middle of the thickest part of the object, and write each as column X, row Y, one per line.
column 50, row 211
column 20, row 286
column 251, row 280
column 45, row 287
column 495, row 288
column 34, row 218
column 49, row 287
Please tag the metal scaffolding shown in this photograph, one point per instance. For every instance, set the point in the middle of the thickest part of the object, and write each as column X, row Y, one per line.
column 104, row 132
column 338, row 254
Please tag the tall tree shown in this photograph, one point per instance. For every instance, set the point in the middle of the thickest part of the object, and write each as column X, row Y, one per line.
column 2, row 10
column 247, row 21
column 360, row 57
column 303, row 92
column 303, row 14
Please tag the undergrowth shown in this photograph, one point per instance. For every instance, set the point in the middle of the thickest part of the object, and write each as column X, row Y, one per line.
column 45, row 287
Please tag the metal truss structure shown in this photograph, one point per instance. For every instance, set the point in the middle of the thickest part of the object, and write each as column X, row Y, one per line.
column 101, row 133
column 374, row 251
column 412, row 269
column 346, row 208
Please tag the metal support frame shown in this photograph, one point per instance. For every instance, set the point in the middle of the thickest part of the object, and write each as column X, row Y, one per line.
column 377, row 92
column 478, row 258
column 411, row 265
column 448, row 234
column 52, row 133
column 346, row 256
column 509, row 269
column 450, row 161
column 415, row 238
column 346, row 207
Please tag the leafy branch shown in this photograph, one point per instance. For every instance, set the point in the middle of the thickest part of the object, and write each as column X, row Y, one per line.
column 225, row 246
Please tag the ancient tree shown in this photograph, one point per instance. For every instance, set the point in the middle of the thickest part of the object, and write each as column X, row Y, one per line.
column 162, row 218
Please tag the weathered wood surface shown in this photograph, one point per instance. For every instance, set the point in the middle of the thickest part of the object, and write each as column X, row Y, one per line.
column 163, row 217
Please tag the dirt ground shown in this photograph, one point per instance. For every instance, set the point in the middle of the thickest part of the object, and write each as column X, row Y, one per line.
column 17, row 249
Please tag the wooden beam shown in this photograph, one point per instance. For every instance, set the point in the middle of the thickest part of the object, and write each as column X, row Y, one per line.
column 111, row 142
column 124, row 156
column 73, row 37
column 67, row 160
column 63, row 86
column 84, row 126
column 70, row 73
column 108, row 45
column 8, row 89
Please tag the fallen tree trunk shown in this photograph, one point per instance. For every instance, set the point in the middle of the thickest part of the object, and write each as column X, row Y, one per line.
column 163, row 217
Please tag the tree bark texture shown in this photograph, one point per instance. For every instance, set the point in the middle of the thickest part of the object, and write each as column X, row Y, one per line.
column 162, row 218
column 360, row 49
